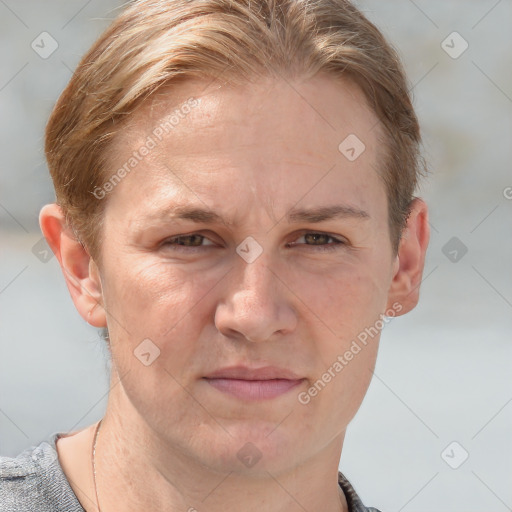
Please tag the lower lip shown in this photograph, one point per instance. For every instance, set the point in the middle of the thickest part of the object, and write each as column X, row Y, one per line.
column 254, row 389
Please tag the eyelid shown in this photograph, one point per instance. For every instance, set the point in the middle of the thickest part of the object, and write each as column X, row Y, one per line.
column 336, row 241
column 339, row 238
column 185, row 235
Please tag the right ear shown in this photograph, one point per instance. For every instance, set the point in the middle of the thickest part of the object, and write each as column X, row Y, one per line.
column 79, row 269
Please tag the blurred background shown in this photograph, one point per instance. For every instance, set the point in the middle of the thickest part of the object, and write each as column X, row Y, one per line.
column 435, row 429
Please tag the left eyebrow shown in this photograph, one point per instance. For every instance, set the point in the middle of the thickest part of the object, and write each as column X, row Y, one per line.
column 322, row 213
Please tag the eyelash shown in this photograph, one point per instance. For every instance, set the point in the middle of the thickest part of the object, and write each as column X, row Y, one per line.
column 322, row 248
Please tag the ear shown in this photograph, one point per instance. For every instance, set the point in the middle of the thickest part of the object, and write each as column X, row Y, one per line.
column 410, row 260
column 79, row 269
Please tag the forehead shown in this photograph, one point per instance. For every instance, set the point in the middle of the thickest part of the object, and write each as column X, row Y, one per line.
column 328, row 108
column 276, row 138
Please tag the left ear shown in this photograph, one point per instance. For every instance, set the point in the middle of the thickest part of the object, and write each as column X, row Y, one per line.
column 410, row 260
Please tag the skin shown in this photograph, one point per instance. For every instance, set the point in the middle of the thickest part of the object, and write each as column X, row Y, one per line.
column 169, row 440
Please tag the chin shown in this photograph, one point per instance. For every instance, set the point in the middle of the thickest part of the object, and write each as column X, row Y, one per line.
column 251, row 447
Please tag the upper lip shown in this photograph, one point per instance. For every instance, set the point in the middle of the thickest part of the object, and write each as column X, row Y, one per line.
column 245, row 373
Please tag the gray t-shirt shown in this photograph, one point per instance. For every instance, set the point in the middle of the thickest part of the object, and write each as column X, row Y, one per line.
column 34, row 482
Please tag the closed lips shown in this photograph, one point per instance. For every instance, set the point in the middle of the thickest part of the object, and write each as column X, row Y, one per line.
column 245, row 373
column 253, row 384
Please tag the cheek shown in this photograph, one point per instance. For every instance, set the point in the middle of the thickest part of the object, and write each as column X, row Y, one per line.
column 343, row 299
column 154, row 297
column 347, row 352
column 344, row 308
column 160, row 302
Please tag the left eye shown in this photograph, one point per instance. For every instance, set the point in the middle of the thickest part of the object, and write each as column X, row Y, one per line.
column 320, row 240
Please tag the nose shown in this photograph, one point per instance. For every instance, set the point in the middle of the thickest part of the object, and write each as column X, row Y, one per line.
column 256, row 304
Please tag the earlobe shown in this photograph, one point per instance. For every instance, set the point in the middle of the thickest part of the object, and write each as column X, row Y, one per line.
column 79, row 270
column 410, row 260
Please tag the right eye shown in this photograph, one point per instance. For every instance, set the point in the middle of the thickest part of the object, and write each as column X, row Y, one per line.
column 181, row 242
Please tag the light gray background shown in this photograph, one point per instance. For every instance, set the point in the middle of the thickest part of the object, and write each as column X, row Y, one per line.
column 444, row 371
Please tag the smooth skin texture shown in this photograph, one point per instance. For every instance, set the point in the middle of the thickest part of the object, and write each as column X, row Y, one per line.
column 169, row 440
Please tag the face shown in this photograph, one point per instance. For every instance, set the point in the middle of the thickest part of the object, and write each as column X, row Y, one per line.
column 245, row 237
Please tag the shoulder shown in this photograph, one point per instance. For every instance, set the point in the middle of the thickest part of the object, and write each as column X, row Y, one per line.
column 353, row 501
column 34, row 481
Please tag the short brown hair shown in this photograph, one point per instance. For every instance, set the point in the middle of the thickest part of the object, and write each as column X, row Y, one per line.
column 153, row 43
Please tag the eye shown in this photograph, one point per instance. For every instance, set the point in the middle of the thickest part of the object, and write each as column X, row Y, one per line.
column 195, row 241
column 179, row 242
column 319, row 240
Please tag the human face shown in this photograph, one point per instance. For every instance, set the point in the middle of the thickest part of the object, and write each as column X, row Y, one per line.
column 252, row 154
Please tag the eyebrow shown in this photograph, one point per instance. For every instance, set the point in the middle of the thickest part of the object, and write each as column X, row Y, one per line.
column 293, row 216
column 323, row 213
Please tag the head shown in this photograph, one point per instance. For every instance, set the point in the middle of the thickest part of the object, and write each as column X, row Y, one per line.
column 235, row 185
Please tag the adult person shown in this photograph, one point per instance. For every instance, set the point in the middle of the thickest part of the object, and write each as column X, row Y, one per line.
column 234, row 206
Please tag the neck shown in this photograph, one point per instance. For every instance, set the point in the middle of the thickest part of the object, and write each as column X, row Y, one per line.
column 137, row 470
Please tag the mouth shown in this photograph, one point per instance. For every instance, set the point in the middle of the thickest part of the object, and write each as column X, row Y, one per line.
column 254, row 384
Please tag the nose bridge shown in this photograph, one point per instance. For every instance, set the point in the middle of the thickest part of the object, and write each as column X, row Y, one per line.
column 254, row 305
column 256, row 287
